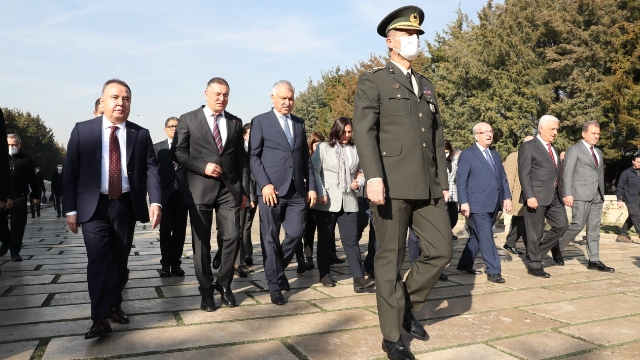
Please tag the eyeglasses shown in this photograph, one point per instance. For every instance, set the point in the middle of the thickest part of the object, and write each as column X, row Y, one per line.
column 485, row 132
column 171, row 126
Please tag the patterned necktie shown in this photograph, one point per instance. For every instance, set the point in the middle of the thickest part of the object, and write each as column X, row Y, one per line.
column 551, row 155
column 595, row 158
column 216, row 132
column 487, row 156
column 176, row 166
column 115, row 167
column 287, row 131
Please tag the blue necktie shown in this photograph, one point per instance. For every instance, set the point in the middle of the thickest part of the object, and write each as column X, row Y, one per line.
column 287, row 131
column 487, row 156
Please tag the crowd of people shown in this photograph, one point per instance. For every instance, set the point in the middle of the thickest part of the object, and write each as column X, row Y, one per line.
column 402, row 180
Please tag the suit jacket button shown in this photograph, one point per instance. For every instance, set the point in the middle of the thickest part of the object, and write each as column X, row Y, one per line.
column 422, row 129
column 420, row 114
column 398, row 95
column 384, row 153
column 424, row 145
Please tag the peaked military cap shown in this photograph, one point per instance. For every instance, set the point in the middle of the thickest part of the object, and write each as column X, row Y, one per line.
column 405, row 18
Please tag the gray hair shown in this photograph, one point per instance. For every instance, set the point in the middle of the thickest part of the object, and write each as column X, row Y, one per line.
column 547, row 119
column 282, row 83
column 586, row 125
column 475, row 127
column 15, row 136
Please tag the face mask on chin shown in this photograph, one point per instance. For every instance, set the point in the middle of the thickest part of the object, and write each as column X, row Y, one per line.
column 409, row 47
column 59, row 169
column 13, row 151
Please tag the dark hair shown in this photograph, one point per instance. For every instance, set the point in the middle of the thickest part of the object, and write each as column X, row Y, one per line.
column 636, row 156
column 314, row 138
column 218, row 80
column 585, row 126
column 166, row 122
column 245, row 128
column 338, row 129
column 115, row 81
column 447, row 146
column 97, row 104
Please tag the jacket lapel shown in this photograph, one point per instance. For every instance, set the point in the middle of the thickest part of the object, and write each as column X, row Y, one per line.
column 130, row 141
column 99, row 133
column 276, row 123
column 202, row 126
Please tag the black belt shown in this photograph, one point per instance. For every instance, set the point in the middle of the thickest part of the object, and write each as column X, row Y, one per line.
column 124, row 195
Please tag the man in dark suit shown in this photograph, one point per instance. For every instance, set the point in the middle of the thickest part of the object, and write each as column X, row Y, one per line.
column 6, row 187
column 173, row 226
column 483, row 191
column 279, row 159
column 109, row 169
column 399, row 136
column 35, row 206
column 583, row 187
column 208, row 144
column 540, row 179
column 57, row 189
column 628, row 193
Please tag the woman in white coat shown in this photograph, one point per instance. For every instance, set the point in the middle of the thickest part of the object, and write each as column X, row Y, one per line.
column 338, row 178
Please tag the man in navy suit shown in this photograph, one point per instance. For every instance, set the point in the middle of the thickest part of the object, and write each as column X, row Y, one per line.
column 109, row 169
column 483, row 191
column 173, row 226
column 279, row 159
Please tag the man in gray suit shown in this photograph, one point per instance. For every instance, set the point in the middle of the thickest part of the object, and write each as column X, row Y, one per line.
column 584, row 192
column 538, row 168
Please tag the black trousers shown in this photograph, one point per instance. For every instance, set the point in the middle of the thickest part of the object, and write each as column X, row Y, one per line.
column 227, row 209
column 246, row 222
column 35, row 208
column 516, row 231
column 107, row 237
column 365, row 218
column 537, row 245
column 632, row 220
column 173, row 229
column 348, row 227
column 12, row 232
column 290, row 213
column 57, row 203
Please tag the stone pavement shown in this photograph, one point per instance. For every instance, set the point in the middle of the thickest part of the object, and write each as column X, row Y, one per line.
column 575, row 314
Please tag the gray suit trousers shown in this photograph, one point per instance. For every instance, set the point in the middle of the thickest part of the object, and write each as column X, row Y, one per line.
column 587, row 213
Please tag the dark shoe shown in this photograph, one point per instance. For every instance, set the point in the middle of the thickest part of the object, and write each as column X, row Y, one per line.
column 207, row 303
column 309, row 265
column 443, row 277
column 166, row 271
column 215, row 264
column 539, row 273
column 248, row 260
column 38, row 214
column 59, row 214
column 226, row 295
column 327, row 281
column 495, row 278
column 118, row 316
column 598, row 265
column 33, row 216
column 241, row 271
column 413, row 326
column 557, row 257
column 624, row 238
column 302, row 266
column 454, row 238
column 99, row 328
column 286, row 286
column 469, row 270
column 397, row 350
column 177, row 271
column 358, row 284
column 512, row 250
column 277, row 298
column 16, row 257
column 4, row 250
column 336, row 260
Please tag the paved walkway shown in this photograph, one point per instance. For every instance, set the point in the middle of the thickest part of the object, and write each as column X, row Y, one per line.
column 576, row 314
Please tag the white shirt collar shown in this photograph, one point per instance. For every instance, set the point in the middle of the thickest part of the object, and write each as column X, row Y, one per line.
column 107, row 124
column 480, row 147
column 280, row 116
column 208, row 112
column 402, row 68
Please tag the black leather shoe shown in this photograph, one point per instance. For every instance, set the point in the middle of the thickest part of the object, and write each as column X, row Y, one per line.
column 413, row 326
column 495, row 278
column 285, row 287
column 4, row 250
column 207, row 303
column 309, row 265
column 277, row 298
column 598, row 265
column 302, row 266
column 241, row 271
column 336, row 260
column 99, row 328
column 177, row 271
column 166, row 271
column 512, row 250
column 226, row 295
column 16, row 257
column 397, row 350
column 215, row 264
column 443, row 277
column 248, row 260
column 557, row 257
column 327, row 281
column 118, row 316
column 469, row 270
column 539, row 273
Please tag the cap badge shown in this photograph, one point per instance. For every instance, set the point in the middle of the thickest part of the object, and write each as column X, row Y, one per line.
column 414, row 18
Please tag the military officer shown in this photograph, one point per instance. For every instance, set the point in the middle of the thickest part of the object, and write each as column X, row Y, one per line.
column 398, row 132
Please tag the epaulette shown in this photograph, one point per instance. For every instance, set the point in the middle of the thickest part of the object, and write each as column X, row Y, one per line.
column 376, row 69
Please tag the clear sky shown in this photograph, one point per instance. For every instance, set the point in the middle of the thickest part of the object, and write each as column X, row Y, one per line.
column 57, row 54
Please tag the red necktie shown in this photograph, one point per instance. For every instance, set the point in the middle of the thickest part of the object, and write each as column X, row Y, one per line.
column 115, row 167
column 216, row 132
column 551, row 155
column 595, row 158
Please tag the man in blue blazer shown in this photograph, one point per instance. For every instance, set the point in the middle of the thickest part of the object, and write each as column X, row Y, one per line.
column 109, row 169
column 279, row 160
column 483, row 191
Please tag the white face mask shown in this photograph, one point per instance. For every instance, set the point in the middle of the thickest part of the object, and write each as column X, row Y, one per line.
column 59, row 168
column 409, row 47
column 446, row 154
column 13, row 151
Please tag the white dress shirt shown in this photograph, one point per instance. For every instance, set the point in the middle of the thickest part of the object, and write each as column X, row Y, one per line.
column 104, row 168
column 594, row 151
column 281, row 121
column 404, row 72
column 222, row 123
column 555, row 156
